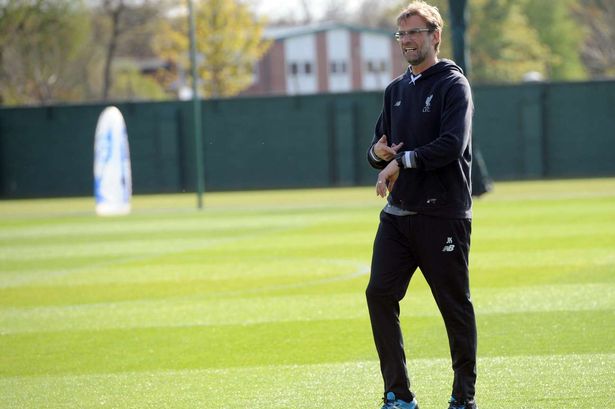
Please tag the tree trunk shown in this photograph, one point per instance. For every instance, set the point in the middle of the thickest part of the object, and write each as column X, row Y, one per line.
column 115, row 14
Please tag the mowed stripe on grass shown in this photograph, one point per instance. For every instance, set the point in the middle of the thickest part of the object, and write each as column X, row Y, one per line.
column 176, row 308
column 526, row 382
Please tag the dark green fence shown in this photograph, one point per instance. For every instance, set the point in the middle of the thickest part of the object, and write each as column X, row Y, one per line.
column 547, row 130
column 524, row 132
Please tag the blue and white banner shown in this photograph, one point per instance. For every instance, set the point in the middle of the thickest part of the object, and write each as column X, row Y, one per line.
column 112, row 175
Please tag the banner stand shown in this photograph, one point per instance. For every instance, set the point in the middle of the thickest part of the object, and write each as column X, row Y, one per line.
column 112, row 172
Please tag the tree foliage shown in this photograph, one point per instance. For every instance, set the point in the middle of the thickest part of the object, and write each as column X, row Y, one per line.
column 40, row 40
column 130, row 84
column 125, row 28
column 505, row 46
column 57, row 50
column 229, row 44
column 598, row 48
column 560, row 34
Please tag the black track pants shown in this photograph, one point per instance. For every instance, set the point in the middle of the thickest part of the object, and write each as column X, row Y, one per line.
column 440, row 248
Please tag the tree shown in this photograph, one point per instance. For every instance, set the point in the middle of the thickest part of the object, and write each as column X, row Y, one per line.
column 122, row 33
column 229, row 44
column 598, row 50
column 560, row 34
column 39, row 43
column 113, row 9
column 504, row 46
column 125, row 27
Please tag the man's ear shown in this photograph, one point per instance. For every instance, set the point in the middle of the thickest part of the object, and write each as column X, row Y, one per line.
column 436, row 36
column 436, row 39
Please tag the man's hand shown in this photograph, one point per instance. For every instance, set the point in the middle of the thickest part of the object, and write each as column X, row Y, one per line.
column 387, row 178
column 384, row 151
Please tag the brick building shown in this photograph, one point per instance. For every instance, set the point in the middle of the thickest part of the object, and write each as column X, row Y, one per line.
column 326, row 57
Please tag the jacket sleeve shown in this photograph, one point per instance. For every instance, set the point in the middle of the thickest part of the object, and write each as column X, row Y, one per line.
column 455, row 129
column 380, row 129
column 378, row 132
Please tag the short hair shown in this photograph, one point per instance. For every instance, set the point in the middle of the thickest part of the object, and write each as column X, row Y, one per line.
column 427, row 12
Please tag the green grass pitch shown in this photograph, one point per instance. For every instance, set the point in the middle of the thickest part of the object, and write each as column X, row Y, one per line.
column 258, row 302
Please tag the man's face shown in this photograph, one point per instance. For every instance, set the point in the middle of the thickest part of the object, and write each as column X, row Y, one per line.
column 418, row 46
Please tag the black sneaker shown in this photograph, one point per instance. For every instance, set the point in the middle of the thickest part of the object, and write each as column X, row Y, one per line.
column 455, row 404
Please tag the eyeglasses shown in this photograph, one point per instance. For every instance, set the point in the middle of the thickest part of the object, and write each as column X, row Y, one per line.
column 411, row 33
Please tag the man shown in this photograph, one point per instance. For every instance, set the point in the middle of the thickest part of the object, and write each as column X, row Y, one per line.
column 423, row 146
